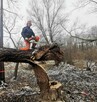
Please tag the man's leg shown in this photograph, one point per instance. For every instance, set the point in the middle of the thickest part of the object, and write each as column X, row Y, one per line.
column 33, row 45
column 27, row 47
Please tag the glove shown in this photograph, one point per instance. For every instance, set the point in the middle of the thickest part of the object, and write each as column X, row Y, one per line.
column 37, row 38
column 26, row 39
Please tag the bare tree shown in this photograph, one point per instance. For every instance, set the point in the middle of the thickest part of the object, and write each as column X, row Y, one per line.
column 9, row 30
column 10, row 22
column 11, row 18
column 47, row 15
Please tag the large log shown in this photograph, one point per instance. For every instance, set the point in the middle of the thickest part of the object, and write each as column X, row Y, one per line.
column 45, row 53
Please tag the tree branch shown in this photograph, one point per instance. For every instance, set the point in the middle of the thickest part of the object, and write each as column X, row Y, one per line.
column 94, row 1
column 89, row 40
column 10, row 12
column 10, row 36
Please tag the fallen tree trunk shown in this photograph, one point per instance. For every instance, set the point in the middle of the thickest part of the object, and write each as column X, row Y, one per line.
column 43, row 53
column 14, row 55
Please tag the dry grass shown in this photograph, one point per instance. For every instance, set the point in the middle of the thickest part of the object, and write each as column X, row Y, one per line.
column 80, row 64
column 79, row 57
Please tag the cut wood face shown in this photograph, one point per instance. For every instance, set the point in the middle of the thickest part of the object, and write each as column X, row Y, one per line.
column 49, row 53
column 55, row 85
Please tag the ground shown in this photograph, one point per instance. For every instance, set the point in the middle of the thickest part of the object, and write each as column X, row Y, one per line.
column 78, row 85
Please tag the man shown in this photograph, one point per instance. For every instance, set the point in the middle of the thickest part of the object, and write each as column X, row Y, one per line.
column 28, row 35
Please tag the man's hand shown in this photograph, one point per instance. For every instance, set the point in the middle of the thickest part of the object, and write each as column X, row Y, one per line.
column 31, row 38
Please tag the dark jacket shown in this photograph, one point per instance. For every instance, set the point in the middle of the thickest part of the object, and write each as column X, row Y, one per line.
column 27, row 32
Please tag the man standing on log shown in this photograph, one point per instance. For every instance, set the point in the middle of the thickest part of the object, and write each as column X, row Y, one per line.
column 28, row 35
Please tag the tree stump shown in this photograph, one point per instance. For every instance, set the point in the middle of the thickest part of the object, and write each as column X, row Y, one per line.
column 55, row 90
column 54, row 94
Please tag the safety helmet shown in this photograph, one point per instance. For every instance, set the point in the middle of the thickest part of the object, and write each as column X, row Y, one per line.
column 37, row 38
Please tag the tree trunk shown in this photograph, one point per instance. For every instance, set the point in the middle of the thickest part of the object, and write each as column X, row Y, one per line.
column 14, row 55
column 2, row 73
column 16, row 71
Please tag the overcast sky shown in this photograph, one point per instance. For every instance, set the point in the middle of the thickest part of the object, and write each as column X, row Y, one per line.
column 82, row 14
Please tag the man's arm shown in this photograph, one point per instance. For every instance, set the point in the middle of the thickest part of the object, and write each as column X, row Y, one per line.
column 24, row 32
column 33, row 33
